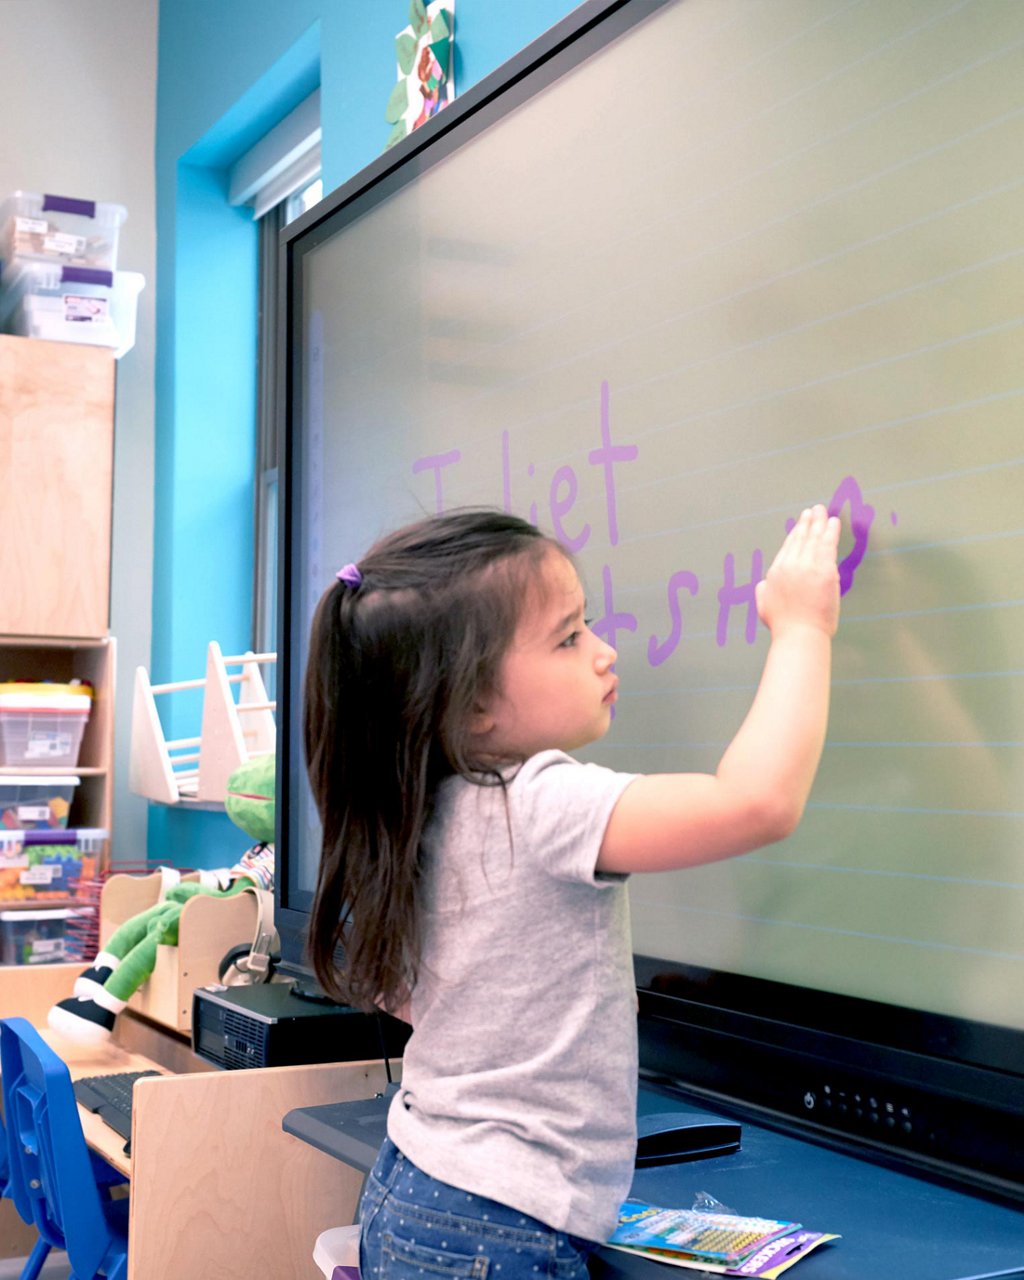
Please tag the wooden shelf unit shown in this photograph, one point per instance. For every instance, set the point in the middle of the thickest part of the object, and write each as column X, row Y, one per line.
column 36, row 658
column 56, row 459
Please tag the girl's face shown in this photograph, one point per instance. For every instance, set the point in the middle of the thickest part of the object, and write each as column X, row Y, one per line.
column 556, row 687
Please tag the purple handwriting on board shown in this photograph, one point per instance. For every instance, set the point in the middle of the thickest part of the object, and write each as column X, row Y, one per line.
column 611, row 622
column 741, row 594
column 738, row 588
column 437, row 462
column 658, row 651
column 564, row 488
column 859, row 523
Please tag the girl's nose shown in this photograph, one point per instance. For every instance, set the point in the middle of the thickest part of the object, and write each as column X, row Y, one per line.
column 606, row 657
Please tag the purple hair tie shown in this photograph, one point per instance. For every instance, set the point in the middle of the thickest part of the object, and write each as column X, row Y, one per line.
column 350, row 575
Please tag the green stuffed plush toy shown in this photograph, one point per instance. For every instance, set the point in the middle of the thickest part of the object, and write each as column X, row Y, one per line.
column 129, row 957
column 249, row 800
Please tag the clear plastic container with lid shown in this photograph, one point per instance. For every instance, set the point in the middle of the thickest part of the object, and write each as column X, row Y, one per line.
column 45, row 863
column 42, row 724
column 34, row 802
column 33, row 937
column 71, row 304
column 61, row 229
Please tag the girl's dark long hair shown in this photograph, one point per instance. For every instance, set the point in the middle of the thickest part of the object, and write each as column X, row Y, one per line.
column 396, row 667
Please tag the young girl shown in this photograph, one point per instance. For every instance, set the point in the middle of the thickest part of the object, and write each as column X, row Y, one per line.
column 473, row 873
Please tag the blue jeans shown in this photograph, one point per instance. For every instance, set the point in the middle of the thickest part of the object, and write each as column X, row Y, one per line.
column 417, row 1228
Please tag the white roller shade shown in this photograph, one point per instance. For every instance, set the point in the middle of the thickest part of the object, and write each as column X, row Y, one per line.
column 282, row 162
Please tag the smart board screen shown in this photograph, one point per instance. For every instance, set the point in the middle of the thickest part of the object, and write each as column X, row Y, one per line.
column 749, row 256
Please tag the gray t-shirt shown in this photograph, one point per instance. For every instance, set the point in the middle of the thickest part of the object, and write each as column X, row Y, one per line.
column 519, row 1080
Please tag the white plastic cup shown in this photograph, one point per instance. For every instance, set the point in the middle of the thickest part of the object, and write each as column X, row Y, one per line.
column 336, row 1253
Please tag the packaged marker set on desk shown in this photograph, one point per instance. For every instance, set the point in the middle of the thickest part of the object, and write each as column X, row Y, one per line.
column 715, row 1243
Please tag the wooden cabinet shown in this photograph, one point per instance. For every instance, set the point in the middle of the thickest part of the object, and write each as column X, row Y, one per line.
column 27, row 658
column 56, row 472
column 56, row 482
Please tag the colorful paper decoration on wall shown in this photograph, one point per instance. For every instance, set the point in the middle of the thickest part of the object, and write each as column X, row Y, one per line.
column 426, row 80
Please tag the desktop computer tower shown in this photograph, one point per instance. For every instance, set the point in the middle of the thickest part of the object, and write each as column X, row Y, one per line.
column 270, row 1025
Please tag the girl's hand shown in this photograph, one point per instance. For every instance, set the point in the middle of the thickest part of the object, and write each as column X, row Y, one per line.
column 758, row 792
column 801, row 588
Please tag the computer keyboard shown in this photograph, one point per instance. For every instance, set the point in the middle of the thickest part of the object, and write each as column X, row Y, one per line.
column 110, row 1097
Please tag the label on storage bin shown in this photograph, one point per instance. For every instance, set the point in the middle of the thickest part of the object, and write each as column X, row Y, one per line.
column 39, row 875
column 44, row 949
column 64, row 243
column 44, row 746
column 32, row 226
column 78, row 307
column 33, row 812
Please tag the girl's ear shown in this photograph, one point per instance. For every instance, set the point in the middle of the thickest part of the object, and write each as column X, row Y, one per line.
column 482, row 721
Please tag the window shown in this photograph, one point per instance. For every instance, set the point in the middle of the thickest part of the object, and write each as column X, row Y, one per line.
column 279, row 178
column 298, row 203
column 265, row 559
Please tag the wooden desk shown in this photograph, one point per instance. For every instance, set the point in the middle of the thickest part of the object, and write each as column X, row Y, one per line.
column 85, row 1061
column 218, row 1189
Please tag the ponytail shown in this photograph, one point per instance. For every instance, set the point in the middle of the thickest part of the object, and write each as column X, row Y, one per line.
column 401, row 652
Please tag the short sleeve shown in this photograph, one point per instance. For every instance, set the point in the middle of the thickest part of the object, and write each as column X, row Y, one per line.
column 561, row 809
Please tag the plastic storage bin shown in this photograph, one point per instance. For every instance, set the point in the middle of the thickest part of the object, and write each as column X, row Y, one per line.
column 13, row 861
column 60, row 229
column 33, row 937
column 42, row 724
column 71, row 304
column 44, row 864
column 29, row 803
column 336, row 1253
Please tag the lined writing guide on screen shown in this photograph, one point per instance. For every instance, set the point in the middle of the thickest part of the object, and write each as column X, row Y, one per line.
column 751, row 257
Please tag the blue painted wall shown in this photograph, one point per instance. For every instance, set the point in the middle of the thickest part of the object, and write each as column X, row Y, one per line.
column 227, row 73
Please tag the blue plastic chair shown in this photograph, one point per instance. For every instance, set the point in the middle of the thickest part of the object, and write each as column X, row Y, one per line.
column 55, row 1181
column 34, row 1262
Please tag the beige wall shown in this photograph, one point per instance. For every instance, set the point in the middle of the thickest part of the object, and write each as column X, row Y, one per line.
column 78, row 118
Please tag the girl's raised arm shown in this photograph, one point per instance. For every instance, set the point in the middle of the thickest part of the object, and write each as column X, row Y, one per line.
column 758, row 792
